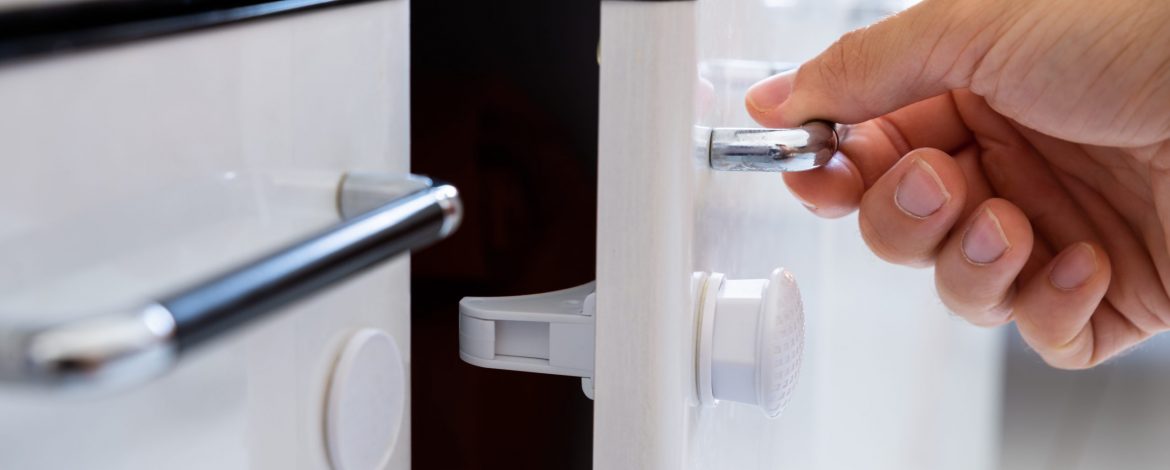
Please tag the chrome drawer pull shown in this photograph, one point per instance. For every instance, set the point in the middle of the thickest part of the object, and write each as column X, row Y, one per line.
column 383, row 217
column 803, row 148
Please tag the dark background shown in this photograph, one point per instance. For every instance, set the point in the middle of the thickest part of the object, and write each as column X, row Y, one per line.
column 504, row 105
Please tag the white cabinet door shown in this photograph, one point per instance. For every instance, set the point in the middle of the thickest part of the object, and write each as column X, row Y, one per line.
column 890, row 380
column 143, row 166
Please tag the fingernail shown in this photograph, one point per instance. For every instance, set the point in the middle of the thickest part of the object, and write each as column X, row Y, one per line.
column 1074, row 267
column 921, row 192
column 984, row 242
column 767, row 94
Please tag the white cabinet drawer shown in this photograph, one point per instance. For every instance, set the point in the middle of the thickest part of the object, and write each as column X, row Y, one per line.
column 323, row 91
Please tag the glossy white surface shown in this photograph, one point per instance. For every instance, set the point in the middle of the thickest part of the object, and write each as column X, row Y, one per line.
column 147, row 134
column 890, row 379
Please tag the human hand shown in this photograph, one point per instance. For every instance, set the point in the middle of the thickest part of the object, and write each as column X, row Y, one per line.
column 1022, row 147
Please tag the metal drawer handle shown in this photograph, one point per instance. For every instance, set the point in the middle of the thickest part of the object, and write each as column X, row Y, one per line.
column 126, row 347
column 803, row 148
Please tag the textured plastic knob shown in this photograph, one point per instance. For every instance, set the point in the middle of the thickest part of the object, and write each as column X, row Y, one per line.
column 751, row 340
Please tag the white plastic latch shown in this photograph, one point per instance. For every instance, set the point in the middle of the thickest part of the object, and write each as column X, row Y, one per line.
column 749, row 336
column 549, row 333
column 750, row 340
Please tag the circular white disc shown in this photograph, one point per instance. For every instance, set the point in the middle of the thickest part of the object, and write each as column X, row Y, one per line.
column 366, row 400
column 782, row 342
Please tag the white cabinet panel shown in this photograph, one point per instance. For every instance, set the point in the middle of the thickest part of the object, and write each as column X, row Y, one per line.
column 890, row 379
column 643, row 374
column 317, row 93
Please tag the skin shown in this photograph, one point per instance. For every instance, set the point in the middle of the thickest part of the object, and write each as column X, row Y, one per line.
column 1043, row 127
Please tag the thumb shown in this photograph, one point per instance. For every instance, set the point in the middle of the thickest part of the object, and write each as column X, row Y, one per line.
column 921, row 52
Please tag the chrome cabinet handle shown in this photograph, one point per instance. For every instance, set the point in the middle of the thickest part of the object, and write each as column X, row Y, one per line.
column 382, row 217
column 774, row 150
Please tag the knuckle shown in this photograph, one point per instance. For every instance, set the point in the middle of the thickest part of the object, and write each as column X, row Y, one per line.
column 888, row 249
column 846, row 66
column 984, row 309
column 847, row 56
column 1057, row 361
column 1074, row 354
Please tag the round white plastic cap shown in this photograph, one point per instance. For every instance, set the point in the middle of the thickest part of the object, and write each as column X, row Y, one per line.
column 366, row 402
column 752, row 341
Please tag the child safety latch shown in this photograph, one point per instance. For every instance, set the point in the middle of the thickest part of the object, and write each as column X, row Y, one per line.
column 548, row 333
